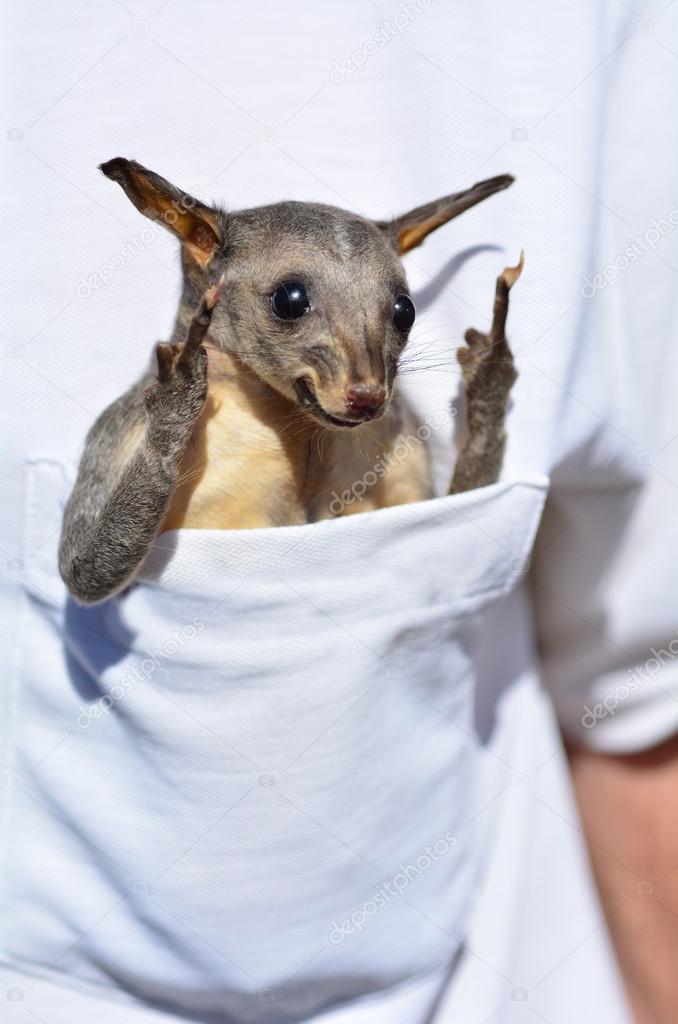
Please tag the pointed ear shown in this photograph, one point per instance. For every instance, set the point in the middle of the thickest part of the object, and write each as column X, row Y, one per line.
column 196, row 225
column 410, row 230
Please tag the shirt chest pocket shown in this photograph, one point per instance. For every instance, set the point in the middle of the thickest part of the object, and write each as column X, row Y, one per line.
column 250, row 772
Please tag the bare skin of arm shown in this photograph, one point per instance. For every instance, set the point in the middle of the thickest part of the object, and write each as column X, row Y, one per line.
column 629, row 809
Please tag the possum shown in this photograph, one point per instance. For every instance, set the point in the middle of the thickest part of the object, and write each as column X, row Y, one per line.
column 279, row 384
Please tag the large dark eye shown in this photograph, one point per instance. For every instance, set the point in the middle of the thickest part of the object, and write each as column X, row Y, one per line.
column 403, row 312
column 290, row 301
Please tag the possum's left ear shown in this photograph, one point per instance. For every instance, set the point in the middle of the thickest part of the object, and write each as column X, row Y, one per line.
column 409, row 230
column 195, row 224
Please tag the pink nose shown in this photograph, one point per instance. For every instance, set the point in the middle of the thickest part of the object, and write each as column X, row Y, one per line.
column 365, row 399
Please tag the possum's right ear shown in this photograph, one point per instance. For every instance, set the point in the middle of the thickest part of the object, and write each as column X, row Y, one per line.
column 195, row 224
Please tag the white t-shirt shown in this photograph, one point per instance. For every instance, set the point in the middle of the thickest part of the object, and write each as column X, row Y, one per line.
column 375, row 107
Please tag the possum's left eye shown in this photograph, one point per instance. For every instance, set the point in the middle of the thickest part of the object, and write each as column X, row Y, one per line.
column 403, row 312
column 290, row 300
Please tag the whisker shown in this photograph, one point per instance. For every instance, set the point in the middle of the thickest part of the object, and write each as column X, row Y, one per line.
column 195, row 471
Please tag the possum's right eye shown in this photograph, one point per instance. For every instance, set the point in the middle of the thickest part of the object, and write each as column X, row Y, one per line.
column 290, row 300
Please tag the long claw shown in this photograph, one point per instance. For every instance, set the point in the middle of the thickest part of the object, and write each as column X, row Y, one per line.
column 505, row 282
column 164, row 355
column 511, row 274
column 212, row 294
column 201, row 320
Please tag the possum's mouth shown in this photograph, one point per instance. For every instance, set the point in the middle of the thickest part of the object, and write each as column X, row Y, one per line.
column 308, row 400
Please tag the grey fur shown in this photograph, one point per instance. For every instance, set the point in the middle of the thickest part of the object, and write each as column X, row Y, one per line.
column 113, row 514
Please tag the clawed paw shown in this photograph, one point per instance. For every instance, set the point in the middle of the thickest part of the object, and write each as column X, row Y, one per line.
column 486, row 362
column 179, row 391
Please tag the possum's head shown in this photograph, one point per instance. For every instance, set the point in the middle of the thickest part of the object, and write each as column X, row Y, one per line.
column 315, row 301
